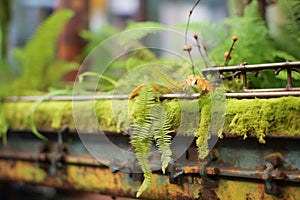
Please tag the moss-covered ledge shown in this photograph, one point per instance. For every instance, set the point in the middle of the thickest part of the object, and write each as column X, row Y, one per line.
column 258, row 117
column 262, row 117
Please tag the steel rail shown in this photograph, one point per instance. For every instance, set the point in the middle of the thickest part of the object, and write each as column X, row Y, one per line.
column 248, row 68
column 213, row 170
column 94, row 97
column 255, row 94
column 262, row 94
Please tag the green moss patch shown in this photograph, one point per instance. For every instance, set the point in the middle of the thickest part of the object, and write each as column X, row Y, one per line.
column 262, row 117
column 258, row 117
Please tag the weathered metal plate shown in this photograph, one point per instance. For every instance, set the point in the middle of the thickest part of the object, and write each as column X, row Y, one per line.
column 236, row 170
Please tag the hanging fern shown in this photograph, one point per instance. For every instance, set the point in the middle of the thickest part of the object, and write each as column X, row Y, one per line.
column 162, row 129
column 143, row 132
column 151, row 124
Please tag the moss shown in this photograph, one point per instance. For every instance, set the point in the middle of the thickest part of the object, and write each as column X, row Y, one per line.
column 3, row 128
column 53, row 115
column 262, row 117
column 258, row 117
column 184, row 115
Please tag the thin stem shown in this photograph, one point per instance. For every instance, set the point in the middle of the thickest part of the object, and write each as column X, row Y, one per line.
column 228, row 56
column 193, row 66
column 189, row 19
column 201, row 53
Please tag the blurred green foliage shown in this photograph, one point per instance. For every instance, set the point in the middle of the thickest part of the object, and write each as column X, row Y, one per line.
column 256, row 43
column 40, row 68
column 5, row 17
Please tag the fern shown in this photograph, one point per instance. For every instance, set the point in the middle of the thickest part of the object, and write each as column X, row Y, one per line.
column 137, row 30
column 163, row 77
column 151, row 124
column 162, row 128
column 289, row 35
column 142, row 133
column 40, row 51
column 94, row 38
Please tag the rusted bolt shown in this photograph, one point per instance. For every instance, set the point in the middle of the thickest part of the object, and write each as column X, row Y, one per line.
column 212, row 171
column 275, row 159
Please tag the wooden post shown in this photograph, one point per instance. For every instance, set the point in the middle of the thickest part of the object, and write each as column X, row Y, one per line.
column 70, row 44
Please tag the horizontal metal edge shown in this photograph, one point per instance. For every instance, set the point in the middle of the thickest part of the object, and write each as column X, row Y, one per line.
column 255, row 94
column 94, row 97
column 262, row 94
column 253, row 67
column 213, row 170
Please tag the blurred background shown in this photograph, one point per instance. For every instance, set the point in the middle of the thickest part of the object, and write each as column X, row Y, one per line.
column 29, row 58
column 268, row 32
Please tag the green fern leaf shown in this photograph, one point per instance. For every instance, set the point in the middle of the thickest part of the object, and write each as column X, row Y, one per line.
column 163, row 77
column 40, row 51
column 151, row 123
column 142, row 134
column 162, row 128
column 144, row 29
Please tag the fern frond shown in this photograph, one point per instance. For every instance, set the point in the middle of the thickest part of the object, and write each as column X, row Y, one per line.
column 151, row 123
column 293, row 7
column 142, row 137
column 142, row 144
column 146, row 183
column 163, row 77
column 162, row 128
column 288, row 38
column 142, row 30
column 143, row 102
column 40, row 51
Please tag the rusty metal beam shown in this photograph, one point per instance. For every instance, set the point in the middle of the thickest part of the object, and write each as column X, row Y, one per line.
column 94, row 179
column 249, row 68
column 213, row 170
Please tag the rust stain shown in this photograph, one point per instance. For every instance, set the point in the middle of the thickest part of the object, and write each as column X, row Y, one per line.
column 102, row 180
column 192, row 169
column 234, row 189
column 94, row 179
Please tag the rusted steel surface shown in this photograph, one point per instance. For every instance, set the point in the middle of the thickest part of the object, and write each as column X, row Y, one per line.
column 102, row 180
column 235, row 169
column 94, row 179
column 241, row 189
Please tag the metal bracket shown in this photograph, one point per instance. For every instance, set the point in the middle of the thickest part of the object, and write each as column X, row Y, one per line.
column 273, row 163
column 209, row 182
column 54, row 153
column 175, row 170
